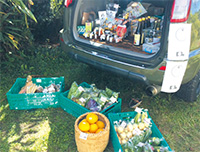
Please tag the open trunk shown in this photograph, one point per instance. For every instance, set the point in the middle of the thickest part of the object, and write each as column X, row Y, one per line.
column 112, row 26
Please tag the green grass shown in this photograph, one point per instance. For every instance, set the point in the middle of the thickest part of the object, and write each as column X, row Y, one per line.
column 50, row 130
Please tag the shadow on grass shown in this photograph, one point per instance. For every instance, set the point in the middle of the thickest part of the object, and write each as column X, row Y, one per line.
column 61, row 136
column 15, row 125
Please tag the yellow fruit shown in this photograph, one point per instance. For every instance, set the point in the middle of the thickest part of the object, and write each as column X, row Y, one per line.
column 92, row 118
column 93, row 128
column 84, row 126
column 100, row 124
column 99, row 130
column 84, row 120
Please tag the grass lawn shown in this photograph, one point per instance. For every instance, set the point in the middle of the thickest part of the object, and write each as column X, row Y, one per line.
column 52, row 130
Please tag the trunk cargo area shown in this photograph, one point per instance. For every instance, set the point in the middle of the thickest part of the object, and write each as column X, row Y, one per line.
column 132, row 28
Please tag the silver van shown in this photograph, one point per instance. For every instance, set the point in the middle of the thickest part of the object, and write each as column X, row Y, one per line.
column 155, row 42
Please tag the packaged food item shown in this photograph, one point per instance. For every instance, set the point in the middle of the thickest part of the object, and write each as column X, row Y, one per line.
column 121, row 30
column 102, row 17
column 151, row 48
column 88, row 27
column 86, row 34
column 81, row 30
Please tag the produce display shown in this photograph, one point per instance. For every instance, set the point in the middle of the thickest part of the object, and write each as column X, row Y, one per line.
column 135, row 134
column 91, row 124
column 92, row 98
column 31, row 87
column 136, row 27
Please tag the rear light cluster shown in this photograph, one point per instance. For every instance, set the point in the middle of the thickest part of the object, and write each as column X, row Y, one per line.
column 180, row 10
column 162, row 68
column 67, row 3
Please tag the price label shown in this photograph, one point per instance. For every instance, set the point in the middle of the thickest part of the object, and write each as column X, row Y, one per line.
column 137, row 131
column 82, row 100
column 81, row 89
column 38, row 80
column 113, row 99
column 83, row 136
column 140, row 144
column 104, row 99
column 138, row 110
column 123, row 124
column 147, row 120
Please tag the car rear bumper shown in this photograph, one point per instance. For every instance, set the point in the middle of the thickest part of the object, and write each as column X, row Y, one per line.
column 111, row 68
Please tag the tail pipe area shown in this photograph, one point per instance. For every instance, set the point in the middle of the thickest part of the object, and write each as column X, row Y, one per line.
column 153, row 90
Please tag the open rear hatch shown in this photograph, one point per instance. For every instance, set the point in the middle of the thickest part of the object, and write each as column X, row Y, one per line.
column 132, row 28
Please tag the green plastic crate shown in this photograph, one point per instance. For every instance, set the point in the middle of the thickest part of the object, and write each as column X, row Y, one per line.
column 113, row 135
column 34, row 100
column 76, row 110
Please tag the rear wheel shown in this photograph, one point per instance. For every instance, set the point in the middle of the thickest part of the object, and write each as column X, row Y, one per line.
column 191, row 90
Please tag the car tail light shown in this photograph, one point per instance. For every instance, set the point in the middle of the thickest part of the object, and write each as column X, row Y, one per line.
column 162, row 68
column 180, row 10
column 67, row 2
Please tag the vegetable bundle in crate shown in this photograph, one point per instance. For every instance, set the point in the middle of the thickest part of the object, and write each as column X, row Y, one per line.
column 32, row 93
column 86, row 98
column 136, row 131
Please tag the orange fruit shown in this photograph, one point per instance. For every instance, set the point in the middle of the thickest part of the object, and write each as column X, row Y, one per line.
column 99, row 130
column 92, row 118
column 100, row 124
column 93, row 128
column 84, row 126
column 84, row 120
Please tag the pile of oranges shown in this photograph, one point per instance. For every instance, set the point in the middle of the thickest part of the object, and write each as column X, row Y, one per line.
column 91, row 124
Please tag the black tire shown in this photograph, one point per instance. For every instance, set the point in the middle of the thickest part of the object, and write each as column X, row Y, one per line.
column 191, row 90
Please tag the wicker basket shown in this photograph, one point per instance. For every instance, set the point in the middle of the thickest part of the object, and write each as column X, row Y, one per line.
column 92, row 142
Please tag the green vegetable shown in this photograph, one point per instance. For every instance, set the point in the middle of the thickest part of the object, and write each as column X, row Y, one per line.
column 78, row 92
column 73, row 89
column 109, row 92
column 147, row 134
column 115, row 94
column 86, row 96
column 155, row 141
column 137, row 117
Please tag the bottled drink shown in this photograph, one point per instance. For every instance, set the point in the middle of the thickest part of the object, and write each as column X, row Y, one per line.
column 158, row 25
column 143, row 22
column 155, row 25
column 142, row 33
column 151, row 37
column 137, row 35
column 148, row 21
